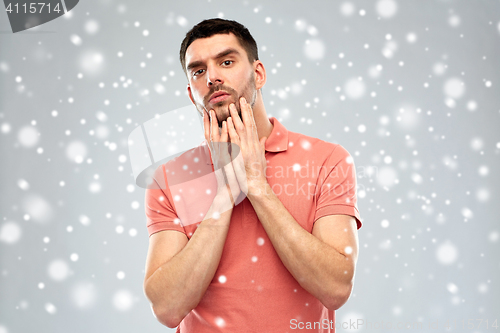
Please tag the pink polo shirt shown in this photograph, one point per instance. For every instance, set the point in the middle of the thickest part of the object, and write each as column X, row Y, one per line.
column 252, row 291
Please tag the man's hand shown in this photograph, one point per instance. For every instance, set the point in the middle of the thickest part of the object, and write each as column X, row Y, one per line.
column 251, row 169
column 218, row 145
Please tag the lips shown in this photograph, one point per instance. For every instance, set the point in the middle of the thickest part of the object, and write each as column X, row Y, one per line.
column 218, row 96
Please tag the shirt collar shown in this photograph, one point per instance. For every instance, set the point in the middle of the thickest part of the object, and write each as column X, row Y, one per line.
column 276, row 142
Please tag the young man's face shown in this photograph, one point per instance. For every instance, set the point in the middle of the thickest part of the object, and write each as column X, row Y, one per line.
column 219, row 73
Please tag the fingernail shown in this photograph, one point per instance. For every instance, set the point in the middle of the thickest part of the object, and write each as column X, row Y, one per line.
column 243, row 100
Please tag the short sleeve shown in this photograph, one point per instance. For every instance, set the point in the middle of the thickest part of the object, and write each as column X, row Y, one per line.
column 337, row 194
column 160, row 213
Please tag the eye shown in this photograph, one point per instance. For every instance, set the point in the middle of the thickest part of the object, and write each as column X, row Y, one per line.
column 198, row 72
column 227, row 62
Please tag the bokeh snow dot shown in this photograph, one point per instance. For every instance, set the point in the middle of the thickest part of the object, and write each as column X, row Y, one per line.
column 452, row 288
column 58, row 270
column 483, row 170
column 347, row 9
column 300, row 25
column 387, row 8
column 220, row 322
column 471, row 105
column 10, row 233
column 28, row 136
column 84, row 219
column 467, row 213
column 482, row 194
column 314, row 49
column 454, row 88
column 91, row 27
column 50, row 308
column 354, row 88
column 454, row 21
column 417, row 178
column 76, row 151
column 123, row 300
column 305, row 144
column 408, row 118
column 482, row 288
column 182, row 21
column 439, row 68
column 387, row 176
column 23, row 184
column 75, row 39
column 91, row 62
column 95, row 187
column 447, row 253
column 411, row 37
column 83, row 295
column 38, row 208
column 476, row 144
column 102, row 132
column 6, row 128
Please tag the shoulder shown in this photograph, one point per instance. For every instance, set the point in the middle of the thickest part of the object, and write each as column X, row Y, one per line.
column 310, row 145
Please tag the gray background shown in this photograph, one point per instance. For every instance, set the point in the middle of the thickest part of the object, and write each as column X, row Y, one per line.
column 423, row 130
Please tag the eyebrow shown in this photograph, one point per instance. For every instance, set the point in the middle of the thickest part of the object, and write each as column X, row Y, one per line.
column 217, row 56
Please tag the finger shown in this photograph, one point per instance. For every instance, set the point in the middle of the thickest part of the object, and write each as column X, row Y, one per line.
column 238, row 164
column 249, row 120
column 237, row 123
column 224, row 134
column 263, row 143
column 232, row 180
column 214, row 128
column 246, row 112
column 232, row 131
column 206, row 125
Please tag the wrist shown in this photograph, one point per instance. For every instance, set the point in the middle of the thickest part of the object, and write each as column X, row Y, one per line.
column 222, row 200
column 259, row 192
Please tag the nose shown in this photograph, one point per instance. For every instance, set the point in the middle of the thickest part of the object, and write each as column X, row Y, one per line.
column 214, row 77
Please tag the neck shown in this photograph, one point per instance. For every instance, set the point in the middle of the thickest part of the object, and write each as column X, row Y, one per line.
column 264, row 126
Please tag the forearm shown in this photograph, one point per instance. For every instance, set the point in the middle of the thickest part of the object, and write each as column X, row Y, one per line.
column 177, row 286
column 325, row 272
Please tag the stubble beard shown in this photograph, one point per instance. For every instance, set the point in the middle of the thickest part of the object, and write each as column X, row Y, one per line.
column 222, row 108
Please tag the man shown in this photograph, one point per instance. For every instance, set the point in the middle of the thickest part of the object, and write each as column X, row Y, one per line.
column 274, row 248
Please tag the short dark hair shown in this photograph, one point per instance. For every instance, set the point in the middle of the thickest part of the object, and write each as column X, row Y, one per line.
column 210, row 27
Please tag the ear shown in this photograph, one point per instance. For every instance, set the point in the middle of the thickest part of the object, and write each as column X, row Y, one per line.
column 190, row 94
column 260, row 74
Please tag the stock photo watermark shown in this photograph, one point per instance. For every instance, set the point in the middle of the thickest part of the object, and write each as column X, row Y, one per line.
column 362, row 324
column 24, row 15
